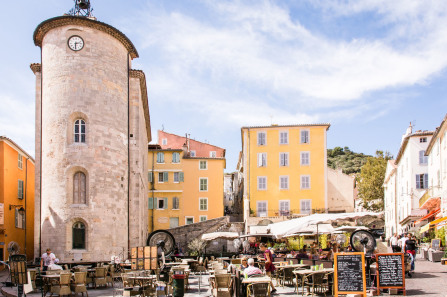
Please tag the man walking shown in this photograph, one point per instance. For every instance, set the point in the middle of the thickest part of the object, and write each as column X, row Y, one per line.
column 394, row 243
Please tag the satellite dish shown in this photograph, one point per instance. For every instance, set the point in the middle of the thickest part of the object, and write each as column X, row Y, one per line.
column 162, row 239
column 363, row 241
column 13, row 248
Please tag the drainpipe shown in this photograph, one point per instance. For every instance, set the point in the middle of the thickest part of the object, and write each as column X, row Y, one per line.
column 152, row 190
column 26, row 210
column 40, row 153
column 128, row 158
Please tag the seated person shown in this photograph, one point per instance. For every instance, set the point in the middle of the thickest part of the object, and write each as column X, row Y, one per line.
column 251, row 269
column 302, row 255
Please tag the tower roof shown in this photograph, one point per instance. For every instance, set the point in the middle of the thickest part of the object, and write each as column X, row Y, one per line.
column 65, row 20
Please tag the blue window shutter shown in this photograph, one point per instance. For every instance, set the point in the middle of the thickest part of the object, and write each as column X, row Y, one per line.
column 151, row 203
column 165, row 203
column 165, row 176
column 150, row 176
column 418, row 182
column 181, row 177
column 425, row 181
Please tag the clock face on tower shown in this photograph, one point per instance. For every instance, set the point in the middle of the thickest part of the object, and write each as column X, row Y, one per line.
column 75, row 43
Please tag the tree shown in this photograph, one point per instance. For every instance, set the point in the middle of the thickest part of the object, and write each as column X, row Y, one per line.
column 370, row 181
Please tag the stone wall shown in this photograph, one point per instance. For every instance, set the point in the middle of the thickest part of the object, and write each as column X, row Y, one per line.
column 185, row 234
column 93, row 85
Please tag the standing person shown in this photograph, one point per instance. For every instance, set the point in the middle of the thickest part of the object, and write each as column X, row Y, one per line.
column 410, row 247
column 402, row 242
column 47, row 259
column 394, row 243
column 269, row 266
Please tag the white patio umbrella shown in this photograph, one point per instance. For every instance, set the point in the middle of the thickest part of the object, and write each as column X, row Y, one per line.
column 220, row 235
column 294, row 226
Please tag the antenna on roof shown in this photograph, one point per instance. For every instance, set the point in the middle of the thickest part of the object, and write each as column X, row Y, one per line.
column 82, row 8
column 162, row 127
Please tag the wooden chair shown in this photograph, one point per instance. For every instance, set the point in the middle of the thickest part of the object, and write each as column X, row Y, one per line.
column 258, row 290
column 100, row 277
column 79, row 284
column 223, row 285
column 308, row 262
column 62, row 287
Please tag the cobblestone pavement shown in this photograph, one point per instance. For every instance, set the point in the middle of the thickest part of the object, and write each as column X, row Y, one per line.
column 430, row 279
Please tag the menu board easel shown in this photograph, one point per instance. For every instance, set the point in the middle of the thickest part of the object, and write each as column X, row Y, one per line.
column 144, row 258
column 349, row 274
column 391, row 271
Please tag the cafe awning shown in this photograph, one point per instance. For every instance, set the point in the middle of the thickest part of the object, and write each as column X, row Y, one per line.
column 436, row 222
column 220, row 235
column 424, row 228
column 426, row 217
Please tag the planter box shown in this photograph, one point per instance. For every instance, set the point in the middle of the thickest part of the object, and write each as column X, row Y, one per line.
column 435, row 256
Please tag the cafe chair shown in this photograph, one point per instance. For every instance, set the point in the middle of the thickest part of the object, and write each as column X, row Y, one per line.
column 32, row 274
column 286, row 275
column 100, row 277
column 62, row 287
column 258, row 290
column 318, row 283
column 79, row 284
column 223, row 285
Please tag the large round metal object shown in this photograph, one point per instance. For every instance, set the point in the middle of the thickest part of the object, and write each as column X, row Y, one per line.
column 363, row 241
column 164, row 240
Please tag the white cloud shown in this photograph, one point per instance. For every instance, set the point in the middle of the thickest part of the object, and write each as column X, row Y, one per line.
column 259, row 49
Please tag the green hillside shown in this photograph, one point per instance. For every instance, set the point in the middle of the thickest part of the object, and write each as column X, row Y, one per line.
column 345, row 159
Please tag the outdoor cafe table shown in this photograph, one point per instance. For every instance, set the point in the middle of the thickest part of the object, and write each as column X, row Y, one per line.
column 256, row 280
column 304, row 273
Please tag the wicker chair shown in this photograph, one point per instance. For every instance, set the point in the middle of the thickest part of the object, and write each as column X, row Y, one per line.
column 79, row 284
column 318, row 282
column 258, row 290
column 224, row 285
column 32, row 274
column 62, row 288
column 286, row 275
column 100, row 277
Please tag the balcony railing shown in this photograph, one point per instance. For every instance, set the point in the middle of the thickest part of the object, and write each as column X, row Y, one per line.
column 293, row 213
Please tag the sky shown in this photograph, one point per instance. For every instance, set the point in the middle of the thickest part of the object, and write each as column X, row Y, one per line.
column 368, row 68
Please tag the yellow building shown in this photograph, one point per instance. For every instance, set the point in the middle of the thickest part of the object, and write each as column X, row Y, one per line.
column 285, row 170
column 16, row 199
column 185, row 182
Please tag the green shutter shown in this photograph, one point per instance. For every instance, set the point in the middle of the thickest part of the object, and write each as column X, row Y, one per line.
column 151, row 203
column 149, row 176
column 165, row 203
column 165, row 176
column 181, row 177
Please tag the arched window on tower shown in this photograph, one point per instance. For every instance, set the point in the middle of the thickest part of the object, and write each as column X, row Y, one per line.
column 79, row 188
column 78, row 230
column 79, row 131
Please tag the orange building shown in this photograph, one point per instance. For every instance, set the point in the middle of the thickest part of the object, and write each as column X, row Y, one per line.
column 16, row 199
column 185, row 181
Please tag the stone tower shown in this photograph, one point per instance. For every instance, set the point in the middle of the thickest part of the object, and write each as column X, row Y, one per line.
column 92, row 131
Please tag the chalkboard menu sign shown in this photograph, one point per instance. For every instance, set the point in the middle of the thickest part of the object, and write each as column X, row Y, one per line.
column 349, row 269
column 391, row 271
column 435, row 243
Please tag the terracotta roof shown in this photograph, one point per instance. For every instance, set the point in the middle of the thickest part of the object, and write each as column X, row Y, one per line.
column 66, row 20
column 16, row 146
column 405, row 142
column 293, row 125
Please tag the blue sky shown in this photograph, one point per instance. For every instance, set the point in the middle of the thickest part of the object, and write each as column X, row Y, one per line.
column 366, row 67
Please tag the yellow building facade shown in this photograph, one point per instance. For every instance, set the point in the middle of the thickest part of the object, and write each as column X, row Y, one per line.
column 284, row 169
column 16, row 199
column 183, row 189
